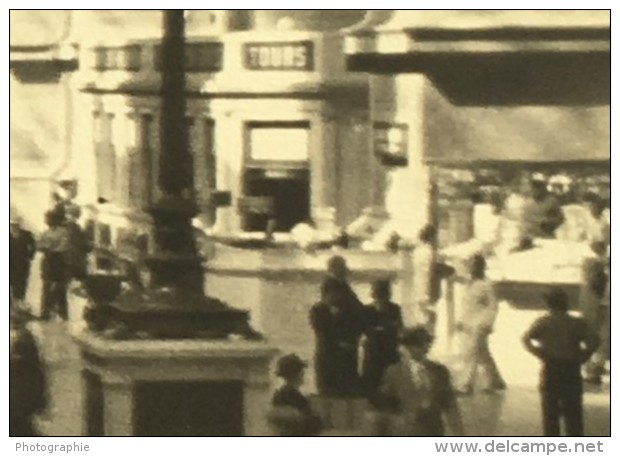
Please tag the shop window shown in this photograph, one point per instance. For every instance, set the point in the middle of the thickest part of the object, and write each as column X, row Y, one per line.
column 284, row 142
column 276, row 180
column 199, row 57
column 281, row 195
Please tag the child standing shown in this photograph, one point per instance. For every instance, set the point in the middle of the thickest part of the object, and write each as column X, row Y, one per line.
column 291, row 414
column 563, row 343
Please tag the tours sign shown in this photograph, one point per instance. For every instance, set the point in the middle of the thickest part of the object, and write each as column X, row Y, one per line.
column 291, row 56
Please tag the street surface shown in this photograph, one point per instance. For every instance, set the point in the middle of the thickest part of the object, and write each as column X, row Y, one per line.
column 513, row 413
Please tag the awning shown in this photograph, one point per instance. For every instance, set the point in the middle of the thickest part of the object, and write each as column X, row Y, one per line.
column 538, row 134
column 432, row 32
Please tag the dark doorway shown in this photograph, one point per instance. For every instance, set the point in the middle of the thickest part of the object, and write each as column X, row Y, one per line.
column 213, row 409
column 289, row 191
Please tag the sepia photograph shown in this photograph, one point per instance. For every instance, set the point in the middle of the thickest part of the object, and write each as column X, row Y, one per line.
column 310, row 223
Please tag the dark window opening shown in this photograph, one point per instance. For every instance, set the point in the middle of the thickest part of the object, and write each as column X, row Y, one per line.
column 281, row 195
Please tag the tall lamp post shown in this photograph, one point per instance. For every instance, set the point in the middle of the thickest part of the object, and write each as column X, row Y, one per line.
column 173, row 304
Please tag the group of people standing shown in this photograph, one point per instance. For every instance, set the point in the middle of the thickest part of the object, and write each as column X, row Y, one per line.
column 64, row 248
column 410, row 394
column 414, row 396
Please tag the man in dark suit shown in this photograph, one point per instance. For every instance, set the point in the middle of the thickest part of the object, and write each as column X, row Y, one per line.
column 338, row 323
column 22, row 249
column 417, row 393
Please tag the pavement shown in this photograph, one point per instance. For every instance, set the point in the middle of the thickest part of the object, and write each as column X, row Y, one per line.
column 515, row 412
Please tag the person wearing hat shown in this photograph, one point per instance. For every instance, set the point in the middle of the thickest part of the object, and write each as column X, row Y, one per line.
column 563, row 343
column 27, row 379
column 22, row 248
column 416, row 393
column 384, row 322
column 291, row 414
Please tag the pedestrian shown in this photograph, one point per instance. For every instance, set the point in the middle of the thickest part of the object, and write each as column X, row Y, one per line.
column 27, row 380
column 476, row 325
column 54, row 244
column 595, row 368
column 383, row 324
column 542, row 213
column 338, row 270
column 563, row 343
column 291, row 413
column 416, row 394
column 428, row 273
column 338, row 323
column 22, row 248
column 595, row 306
column 596, row 227
column 78, row 246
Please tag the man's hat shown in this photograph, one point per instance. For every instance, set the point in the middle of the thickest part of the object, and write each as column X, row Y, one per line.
column 417, row 337
column 290, row 365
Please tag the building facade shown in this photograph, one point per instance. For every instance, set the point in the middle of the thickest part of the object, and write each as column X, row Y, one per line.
column 41, row 110
column 278, row 126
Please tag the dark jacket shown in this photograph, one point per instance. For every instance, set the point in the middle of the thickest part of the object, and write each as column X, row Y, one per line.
column 337, row 333
column 22, row 249
column 381, row 345
column 292, row 415
column 27, row 383
column 77, row 251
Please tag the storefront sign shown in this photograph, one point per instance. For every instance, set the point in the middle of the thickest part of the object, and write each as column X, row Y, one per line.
column 279, row 56
column 390, row 143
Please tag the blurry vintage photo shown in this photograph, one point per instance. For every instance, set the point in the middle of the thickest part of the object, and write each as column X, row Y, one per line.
column 310, row 223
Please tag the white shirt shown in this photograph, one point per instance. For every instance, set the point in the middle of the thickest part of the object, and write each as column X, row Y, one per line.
column 479, row 305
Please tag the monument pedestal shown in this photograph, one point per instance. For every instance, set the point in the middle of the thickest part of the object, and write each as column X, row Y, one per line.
column 175, row 387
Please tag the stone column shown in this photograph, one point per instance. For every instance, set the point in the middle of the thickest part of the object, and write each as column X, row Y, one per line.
column 400, row 100
column 324, row 164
